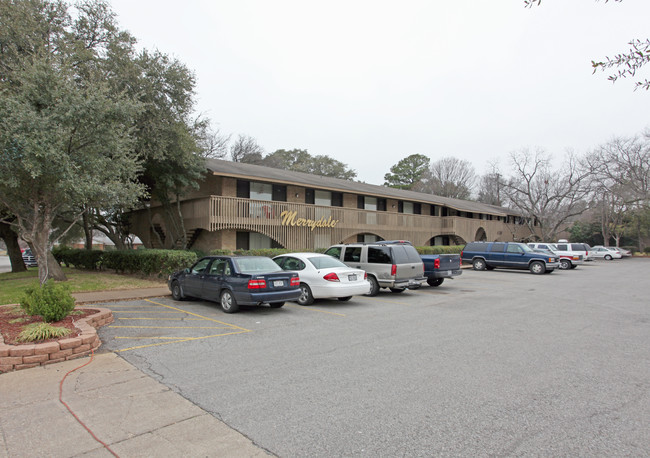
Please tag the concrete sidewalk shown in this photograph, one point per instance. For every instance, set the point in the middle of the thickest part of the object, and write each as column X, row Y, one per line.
column 133, row 414
column 120, row 295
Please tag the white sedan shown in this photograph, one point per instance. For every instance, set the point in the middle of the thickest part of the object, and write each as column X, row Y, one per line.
column 322, row 276
column 605, row 253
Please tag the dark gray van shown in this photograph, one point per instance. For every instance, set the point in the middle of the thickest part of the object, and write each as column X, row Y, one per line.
column 393, row 265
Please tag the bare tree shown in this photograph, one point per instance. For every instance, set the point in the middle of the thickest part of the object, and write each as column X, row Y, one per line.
column 548, row 198
column 489, row 187
column 448, row 177
column 245, row 149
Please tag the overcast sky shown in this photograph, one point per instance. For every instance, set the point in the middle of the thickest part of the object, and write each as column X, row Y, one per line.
column 371, row 82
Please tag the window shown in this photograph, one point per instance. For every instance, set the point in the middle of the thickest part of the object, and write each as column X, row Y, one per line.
column 200, row 266
column 335, row 251
column 293, row 264
column 417, row 209
column 218, row 267
column 337, row 199
column 352, row 254
column 279, row 193
column 380, row 255
column 261, row 191
column 514, row 249
column 407, row 208
column 309, row 196
column 360, row 202
column 323, row 198
column 324, row 262
column 381, row 205
column 498, row 247
column 370, row 203
column 243, row 189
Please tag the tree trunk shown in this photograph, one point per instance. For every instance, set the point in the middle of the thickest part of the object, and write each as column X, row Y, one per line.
column 88, row 231
column 54, row 268
column 13, row 248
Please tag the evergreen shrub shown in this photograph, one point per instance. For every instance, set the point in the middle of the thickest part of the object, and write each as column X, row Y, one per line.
column 440, row 249
column 52, row 302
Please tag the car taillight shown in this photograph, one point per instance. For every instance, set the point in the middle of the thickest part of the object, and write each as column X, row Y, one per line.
column 295, row 281
column 436, row 264
column 393, row 269
column 365, row 275
column 256, row 284
column 331, row 277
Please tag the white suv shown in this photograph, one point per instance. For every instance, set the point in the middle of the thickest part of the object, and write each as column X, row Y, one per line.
column 568, row 258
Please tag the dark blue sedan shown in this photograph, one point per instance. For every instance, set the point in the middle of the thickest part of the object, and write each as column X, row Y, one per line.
column 236, row 280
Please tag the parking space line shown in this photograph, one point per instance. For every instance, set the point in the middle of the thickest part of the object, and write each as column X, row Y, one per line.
column 162, row 319
column 172, row 327
column 200, row 316
column 375, row 298
column 144, row 311
column 314, row 310
column 180, row 340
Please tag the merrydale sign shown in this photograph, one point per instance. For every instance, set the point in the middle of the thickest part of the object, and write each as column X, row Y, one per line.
column 289, row 219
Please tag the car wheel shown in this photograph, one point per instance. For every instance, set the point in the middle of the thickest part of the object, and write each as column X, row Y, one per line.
column 435, row 281
column 306, row 297
column 345, row 299
column 608, row 257
column 478, row 264
column 374, row 286
column 228, row 302
column 397, row 290
column 177, row 292
column 276, row 305
column 565, row 264
column 573, row 266
column 537, row 267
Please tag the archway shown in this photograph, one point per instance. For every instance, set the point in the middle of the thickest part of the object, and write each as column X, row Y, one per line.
column 480, row 236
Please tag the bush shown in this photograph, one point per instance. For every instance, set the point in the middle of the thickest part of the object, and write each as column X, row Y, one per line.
column 149, row 262
column 79, row 258
column 53, row 302
column 646, row 250
column 440, row 249
column 41, row 331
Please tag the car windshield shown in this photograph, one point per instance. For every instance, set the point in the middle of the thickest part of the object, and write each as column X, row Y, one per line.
column 253, row 265
column 526, row 248
column 325, row 262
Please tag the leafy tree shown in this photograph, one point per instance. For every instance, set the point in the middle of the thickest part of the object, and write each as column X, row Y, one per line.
column 407, row 172
column 626, row 64
column 10, row 238
column 448, row 177
column 299, row 160
column 65, row 142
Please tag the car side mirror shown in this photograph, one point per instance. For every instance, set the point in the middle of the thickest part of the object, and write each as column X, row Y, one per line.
column 186, row 270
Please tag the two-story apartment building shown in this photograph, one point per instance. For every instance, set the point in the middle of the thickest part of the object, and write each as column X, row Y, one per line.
column 249, row 206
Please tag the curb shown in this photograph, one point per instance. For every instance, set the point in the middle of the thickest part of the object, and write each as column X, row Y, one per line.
column 16, row 357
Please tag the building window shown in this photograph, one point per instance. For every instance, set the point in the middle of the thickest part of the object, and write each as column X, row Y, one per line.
column 370, row 203
column 407, row 208
column 323, row 198
column 381, row 205
column 309, row 196
column 360, row 202
column 261, row 191
column 243, row 189
column 337, row 199
column 417, row 208
column 255, row 241
column 279, row 193
column 400, row 207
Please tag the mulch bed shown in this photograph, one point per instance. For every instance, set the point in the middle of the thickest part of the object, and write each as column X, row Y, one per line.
column 10, row 331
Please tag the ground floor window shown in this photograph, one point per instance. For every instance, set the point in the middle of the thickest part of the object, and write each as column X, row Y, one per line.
column 368, row 238
column 255, row 241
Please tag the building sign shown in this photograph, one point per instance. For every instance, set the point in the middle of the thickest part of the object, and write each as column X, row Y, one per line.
column 289, row 219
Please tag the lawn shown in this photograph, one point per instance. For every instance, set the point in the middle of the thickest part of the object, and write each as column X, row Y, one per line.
column 12, row 285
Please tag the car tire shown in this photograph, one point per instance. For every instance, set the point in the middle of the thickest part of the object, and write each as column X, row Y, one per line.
column 397, row 290
column 177, row 292
column 374, row 286
column 479, row 264
column 345, row 299
column 565, row 264
column 573, row 266
column 306, row 298
column 608, row 257
column 537, row 267
column 276, row 305
column 435, row 281
column 228, row 302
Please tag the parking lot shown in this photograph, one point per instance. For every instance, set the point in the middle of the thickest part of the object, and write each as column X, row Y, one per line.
column 492, row 363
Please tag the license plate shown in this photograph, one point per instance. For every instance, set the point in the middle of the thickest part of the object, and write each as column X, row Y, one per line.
column 352, row 277
column 278, row 283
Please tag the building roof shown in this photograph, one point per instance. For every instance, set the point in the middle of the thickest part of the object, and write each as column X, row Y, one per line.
column 260, row 172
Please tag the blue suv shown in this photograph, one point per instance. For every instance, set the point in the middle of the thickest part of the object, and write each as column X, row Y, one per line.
column 510, row 255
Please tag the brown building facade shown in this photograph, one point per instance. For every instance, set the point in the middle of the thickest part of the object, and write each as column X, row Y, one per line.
column 244, row 206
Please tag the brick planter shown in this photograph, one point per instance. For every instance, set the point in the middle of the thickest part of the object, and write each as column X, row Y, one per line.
column 15, row 357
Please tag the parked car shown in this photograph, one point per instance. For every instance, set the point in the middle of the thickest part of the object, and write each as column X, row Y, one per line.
column 589, row 256
column 322, row 276
column 395, row 265
column 568, row 259
column 437, row 267
column 564, row 247
column 623, row 252
column 28, row 258
column 511, row 255
column 236, row 280
column 605, row 253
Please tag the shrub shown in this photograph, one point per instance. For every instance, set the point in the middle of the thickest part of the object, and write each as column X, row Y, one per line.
column 149, row 262
column 79, row 258
column 51, row 301
column 220, row 252
column 268, row 252
column 41, row 331
column 440, row 249
column 646, row 250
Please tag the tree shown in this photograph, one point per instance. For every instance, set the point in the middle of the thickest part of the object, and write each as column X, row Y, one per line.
column 489, row 191
column 448, row 177
column 246, row 150
column 10, row 237
column 547, row 198
column 299, row 160
column 65, row 142
column 407, row 172
column 625, row 64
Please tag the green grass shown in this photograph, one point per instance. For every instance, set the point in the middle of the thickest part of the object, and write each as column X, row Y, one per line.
column 13, row 285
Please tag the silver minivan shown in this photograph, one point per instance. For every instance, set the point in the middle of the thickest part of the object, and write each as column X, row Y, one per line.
column 393, row 265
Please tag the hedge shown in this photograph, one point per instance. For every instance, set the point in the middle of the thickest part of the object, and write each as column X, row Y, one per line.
column 440, row 249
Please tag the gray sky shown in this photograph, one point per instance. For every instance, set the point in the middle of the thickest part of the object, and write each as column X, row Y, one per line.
column 371, row 82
